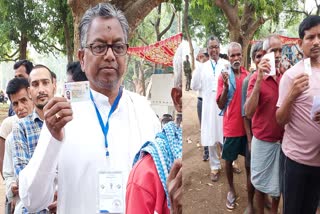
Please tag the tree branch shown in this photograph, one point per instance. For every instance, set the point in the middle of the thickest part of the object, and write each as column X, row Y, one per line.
column 157, row 24
column 297, row 11
column 51, row 46
column 167, row 28
column 10, row 56
column 142, row 39
column 229, row 11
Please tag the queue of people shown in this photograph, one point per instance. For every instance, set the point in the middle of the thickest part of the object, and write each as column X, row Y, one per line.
column 267, row 118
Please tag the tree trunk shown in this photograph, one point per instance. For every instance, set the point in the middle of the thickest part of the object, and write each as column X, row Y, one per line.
column 68, row 40
column 23, row 46
column 241, row 29
column 186, row 28
column 134, row 10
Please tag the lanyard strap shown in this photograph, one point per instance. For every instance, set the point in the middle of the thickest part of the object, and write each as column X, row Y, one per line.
column 105, row 128
column 213, row 68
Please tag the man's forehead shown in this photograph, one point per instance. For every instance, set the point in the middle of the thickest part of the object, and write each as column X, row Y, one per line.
column 213, row 42
column 105, row 26
column 275, row 42
column 21, row 92
column 39, row 74
column 234, row 50
column 314, row 29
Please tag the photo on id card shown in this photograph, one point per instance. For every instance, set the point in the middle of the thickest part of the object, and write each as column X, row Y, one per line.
column 77, row 91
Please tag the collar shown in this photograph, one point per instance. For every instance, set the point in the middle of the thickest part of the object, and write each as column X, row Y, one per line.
column 278, row 74
column 242, row 71
column 100, row 99
column 35, row 116
column 215, row 62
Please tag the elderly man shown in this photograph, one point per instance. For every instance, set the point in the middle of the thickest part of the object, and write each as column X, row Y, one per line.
column 256, row 55
column 22, row 68
column 205, row 78
column 17, row 91
column 229, row 101
column 299, row 89
column 91, row 144
column 261, row 102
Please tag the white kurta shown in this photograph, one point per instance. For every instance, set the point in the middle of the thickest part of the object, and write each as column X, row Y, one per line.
column 206, row 80
column 82, row 154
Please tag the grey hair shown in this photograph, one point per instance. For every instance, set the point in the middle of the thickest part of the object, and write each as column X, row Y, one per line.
column 266, row 42
column 212, row 38
column 232, row 45
column 257, row 47
column 104, row 10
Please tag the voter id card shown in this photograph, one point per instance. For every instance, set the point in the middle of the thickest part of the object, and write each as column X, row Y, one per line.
column 77, row 91
column 307, row 66
column 110, row 192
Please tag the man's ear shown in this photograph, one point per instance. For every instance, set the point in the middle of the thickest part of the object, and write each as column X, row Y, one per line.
column 29, row 93
column 80, row 57
column 300, row 44
column 176, row 95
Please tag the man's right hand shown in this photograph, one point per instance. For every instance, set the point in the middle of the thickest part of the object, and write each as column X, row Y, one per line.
column 14, row 189
column 300, row 84
column 263, row 67
column 225, row 78
column 57, row 113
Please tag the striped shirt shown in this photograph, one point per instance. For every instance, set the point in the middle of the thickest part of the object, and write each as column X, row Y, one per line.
column 26, row 134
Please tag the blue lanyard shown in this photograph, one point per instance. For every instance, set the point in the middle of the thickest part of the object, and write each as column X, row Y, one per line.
column 213, row 68
column 105, row 128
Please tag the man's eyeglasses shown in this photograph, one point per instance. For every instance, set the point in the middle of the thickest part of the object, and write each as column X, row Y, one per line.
column 118, row 49
column 212, row 47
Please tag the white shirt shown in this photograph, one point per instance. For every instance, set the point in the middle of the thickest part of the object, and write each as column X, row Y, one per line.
column 195, row 78
column 8, row 171
column 9, row 175
column 81, row 155
column 206, row 80
column 6, row 126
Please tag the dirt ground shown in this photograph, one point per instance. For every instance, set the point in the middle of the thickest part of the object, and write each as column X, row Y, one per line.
column 201, row 195
column 3, row 114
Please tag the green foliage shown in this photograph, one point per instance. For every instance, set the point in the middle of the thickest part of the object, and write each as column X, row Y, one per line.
column 206, row 19
column 39, row 22
column 59, row 13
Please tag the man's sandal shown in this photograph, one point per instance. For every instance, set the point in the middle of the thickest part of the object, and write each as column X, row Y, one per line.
column 231, row 201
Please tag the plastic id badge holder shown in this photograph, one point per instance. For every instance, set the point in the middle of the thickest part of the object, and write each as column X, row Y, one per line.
column 110, row 192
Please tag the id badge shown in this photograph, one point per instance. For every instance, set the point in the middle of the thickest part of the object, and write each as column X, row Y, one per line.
column 110, row 192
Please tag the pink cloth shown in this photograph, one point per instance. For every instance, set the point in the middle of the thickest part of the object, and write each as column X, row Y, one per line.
column 301, row 141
